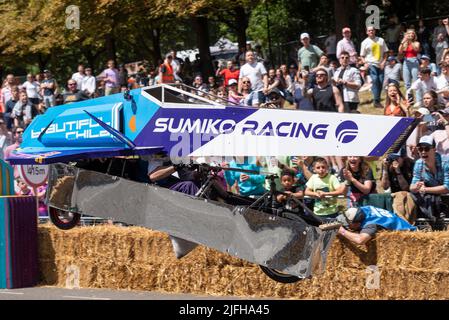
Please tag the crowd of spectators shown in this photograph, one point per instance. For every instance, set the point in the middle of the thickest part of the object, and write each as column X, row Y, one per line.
column 321, row 79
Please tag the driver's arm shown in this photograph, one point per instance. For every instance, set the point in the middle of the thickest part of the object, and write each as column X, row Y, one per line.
column 161, row 173
column 357, row 238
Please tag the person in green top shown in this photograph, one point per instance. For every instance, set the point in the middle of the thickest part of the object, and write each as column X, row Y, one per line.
column 309, row 55
column 321, row 185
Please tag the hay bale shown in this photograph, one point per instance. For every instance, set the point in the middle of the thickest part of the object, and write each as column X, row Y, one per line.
column 411, row 265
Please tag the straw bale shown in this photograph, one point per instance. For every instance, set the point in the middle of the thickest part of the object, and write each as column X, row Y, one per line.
column 411, row 265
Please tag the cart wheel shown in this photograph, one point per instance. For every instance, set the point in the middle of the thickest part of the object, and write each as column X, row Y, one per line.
column 64, row 220
column 279, row 276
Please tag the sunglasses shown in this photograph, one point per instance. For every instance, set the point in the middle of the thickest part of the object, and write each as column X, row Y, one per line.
column 245, row 82
column 19, row 132
column 426, row 149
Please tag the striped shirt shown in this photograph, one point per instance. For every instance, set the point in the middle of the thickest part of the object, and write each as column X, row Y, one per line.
column 421, row 172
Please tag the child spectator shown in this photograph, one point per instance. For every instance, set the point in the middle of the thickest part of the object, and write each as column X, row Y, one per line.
column 233, row 96
column 24, row 190
column 321, row 185
column 289, row 186
column 358, row 176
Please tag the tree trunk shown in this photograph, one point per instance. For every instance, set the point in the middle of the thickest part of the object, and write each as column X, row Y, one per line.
column 241, row 24
column 200, row 26
column 42, row 61
column 156, row 40
column 111, row 53
column 344, row 11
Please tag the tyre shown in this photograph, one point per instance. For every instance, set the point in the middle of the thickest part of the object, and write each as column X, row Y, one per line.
column 279, row 276
column 64, row 220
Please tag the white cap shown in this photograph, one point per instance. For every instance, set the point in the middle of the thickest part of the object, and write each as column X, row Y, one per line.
column 428, row 140
column 423, row 111
column 351, row 213
column 305, row 35
column 231, row 82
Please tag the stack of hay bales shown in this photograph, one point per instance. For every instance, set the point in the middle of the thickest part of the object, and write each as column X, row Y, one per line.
column 410, row 265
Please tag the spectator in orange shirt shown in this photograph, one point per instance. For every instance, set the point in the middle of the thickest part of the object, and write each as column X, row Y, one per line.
column 229, row 73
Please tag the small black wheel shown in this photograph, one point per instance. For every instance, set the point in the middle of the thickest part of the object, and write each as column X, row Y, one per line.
column 64, row 220
column 279, row 276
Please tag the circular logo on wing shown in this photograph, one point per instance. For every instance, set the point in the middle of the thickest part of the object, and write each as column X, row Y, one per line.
column 347, row 131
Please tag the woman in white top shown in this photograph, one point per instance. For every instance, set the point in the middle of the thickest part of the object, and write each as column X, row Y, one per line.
column 32, row 88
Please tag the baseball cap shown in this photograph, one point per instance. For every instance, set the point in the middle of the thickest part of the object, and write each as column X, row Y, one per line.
column 425, row 57
column 231, row 82
column 349, row 216
column 392, row 58
column 277, row 91
column 305, row 35
column 423, row 111
column 346, row 29
column 427, row 140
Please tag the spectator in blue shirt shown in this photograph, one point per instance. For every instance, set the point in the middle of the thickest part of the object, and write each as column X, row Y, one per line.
column 248, row 184
column 430, row 179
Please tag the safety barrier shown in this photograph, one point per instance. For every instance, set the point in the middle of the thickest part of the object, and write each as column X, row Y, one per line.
column 18, row 235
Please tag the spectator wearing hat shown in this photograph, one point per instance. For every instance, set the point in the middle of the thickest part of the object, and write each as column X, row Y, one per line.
column 397, row 172
column 430, row 179
column 309, row 55
column 348, row 81
column 48, row 87
column 346, row 45
column 374, row 54
column 426, row 63
column 393, row 71
column 234, row 97
column 361, row 224
column 275, row 99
